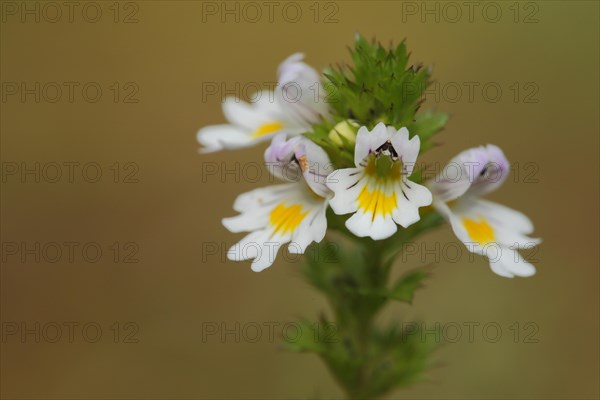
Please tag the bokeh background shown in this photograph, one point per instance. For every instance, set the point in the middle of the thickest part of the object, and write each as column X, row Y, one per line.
column 152, row 61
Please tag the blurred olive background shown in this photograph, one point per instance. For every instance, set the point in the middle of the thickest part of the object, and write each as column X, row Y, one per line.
column 165, row 208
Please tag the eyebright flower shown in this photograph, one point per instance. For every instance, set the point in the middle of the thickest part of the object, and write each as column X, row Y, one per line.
column 289, row 213
column 292, row 108
column 300, row 91
column 486, row 228
column 378, row 191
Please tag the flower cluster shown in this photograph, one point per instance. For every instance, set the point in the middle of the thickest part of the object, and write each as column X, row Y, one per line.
column 353, row 148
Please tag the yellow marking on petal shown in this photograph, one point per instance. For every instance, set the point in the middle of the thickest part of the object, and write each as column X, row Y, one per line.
column 285, row 219
column 267, row 128
column 480, row 231
column 377, row 202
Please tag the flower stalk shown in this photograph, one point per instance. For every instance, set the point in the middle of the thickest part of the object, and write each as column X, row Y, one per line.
column 354, row 276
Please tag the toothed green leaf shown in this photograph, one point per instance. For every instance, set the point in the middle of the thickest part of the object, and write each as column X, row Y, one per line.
column 404, row 289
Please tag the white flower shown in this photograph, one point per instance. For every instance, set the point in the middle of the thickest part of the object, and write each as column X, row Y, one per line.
column 292, row 108
column 292, row 212
column 300, row 91
column 299, row 158
column 486, row 228
column 378, row 191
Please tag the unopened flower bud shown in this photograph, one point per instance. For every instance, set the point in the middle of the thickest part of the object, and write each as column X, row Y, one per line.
column 346, row 129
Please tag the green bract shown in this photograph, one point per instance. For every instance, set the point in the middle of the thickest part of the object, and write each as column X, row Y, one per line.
column 380, row 86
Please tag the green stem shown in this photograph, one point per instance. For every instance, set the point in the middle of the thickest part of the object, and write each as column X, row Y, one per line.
column 356, row 286
column 377, row 277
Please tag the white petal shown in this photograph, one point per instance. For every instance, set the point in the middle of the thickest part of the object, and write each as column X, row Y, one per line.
column 449, row 186
column 294, row 70
column 262, row 197
column 267, row 257
column 472, row 172
column 312, row 229
column 459, row 174
column 499, row 269
column 507, row 236
column 219, row 137
column 497, row 171
column 261, row 245
column 280, row 148
column 501, row 215
column 511, row 261
column 410, row 196
column 319, row 166
column 461, row 233
column 296, row 57
column 279, row 158
column 247, row 248
column 360, row 224
column 375, row 201
column 367, row 142
column 391, row 131
column 505, row 260
column 407, row 150
column 406, row 213
column 346, row 185
column 382, row 228
column 296, row 92
column 361, row 148
column 251, row 115
column 246, row 222
column 510, row 226
column 417, row 194
column 379, row 135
